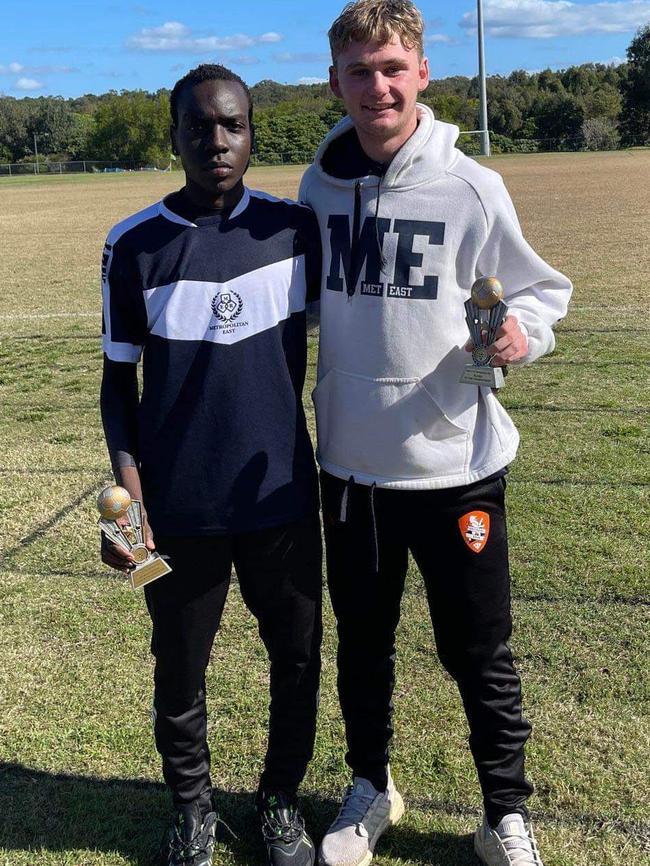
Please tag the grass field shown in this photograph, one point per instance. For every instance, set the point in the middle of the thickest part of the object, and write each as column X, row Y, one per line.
column 79, row 778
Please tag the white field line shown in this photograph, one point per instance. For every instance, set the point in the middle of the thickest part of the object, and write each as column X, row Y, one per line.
column 72, row 315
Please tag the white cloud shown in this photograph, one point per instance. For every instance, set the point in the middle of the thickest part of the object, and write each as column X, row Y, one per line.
column 545, row 19
column 309, row 80
column 46, row 70
column 175, row 36
column 437, row 37
column 170, row 30
column 11, row 68
column 16, row 68
column 28, row 84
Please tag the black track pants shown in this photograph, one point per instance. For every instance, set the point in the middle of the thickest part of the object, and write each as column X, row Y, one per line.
column 368, row 534
column 279, row 572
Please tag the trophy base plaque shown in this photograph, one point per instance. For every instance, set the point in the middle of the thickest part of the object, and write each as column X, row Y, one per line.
column 490, row 377
column 148, row 571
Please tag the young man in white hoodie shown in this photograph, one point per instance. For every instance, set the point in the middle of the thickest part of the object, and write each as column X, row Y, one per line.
column 410, row 458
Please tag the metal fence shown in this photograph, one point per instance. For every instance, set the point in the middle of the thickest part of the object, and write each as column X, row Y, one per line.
column 469, row 142
column 95, row 166
column 503, row 144
column 290, row 158
column 79, row 166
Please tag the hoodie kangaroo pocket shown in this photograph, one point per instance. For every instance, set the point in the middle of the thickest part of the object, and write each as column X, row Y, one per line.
column 389, row 429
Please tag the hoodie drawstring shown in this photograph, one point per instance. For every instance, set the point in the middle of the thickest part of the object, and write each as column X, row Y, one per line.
column 356, row 232
column 375, row 539
column 345, row 510
column 356, row 235
column 380, row 249
column 343, row 515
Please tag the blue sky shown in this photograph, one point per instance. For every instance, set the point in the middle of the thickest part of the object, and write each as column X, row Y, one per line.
column 74, row 48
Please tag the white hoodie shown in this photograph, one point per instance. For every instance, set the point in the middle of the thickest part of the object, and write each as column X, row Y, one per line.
column 389, row 406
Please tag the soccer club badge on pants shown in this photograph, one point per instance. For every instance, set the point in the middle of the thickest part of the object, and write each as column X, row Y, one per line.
column 121, row 523
column 485, row 313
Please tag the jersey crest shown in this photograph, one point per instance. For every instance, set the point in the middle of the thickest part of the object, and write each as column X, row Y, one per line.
column 226, row 306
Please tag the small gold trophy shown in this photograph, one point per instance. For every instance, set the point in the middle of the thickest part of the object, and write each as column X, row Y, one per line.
column 485, row 314
column 121, row 523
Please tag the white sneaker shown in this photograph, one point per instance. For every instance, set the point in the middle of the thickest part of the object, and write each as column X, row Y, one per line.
column 364, row 815
column 512, row 843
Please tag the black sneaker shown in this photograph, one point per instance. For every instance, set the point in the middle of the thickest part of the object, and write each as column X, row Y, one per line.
column 191, row 838
column 283, row 828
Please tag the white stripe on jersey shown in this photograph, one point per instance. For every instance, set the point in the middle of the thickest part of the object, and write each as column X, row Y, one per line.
column 126, row 352
column 227, row 312
column 148, row 213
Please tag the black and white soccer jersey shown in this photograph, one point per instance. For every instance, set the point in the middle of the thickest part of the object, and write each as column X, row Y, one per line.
column 216, row 309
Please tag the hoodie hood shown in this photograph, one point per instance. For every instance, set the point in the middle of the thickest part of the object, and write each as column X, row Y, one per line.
column 428, row 153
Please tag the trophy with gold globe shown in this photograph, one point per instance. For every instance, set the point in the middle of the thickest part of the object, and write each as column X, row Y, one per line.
column 121, row 523
column 485, row 313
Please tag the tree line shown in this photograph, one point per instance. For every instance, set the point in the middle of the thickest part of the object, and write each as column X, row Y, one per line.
column 592, row 106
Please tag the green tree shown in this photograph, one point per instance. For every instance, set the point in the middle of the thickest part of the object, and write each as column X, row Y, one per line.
column 635, row 90
column 331, row 112
column 14, row 137
column 291, row 119
column 504, row 116
column 599, row 133
column 558, row 116
column 604, row 101
column 132, row 125
column 51, row 123
column 286, row 135
column 550, row 81
column 82, row 128
column 55, row 126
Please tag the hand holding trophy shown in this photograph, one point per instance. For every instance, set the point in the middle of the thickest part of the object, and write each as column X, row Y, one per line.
column 485, row 313
column 121, row 524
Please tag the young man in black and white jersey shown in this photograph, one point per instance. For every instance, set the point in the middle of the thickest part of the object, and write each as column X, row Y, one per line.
column 209, row 287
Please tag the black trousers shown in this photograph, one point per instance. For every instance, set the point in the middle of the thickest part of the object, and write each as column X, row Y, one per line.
column 368, row 534
column 279, row 572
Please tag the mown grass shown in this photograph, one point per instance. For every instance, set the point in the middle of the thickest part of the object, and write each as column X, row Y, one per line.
column 79, row 779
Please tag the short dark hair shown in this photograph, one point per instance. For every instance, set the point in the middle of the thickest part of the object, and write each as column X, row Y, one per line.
column 206, row 72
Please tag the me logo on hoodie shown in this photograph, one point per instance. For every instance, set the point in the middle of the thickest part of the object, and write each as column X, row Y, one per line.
column 349, row 251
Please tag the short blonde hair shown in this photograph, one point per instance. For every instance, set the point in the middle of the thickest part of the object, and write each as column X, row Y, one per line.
column 377, row 21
